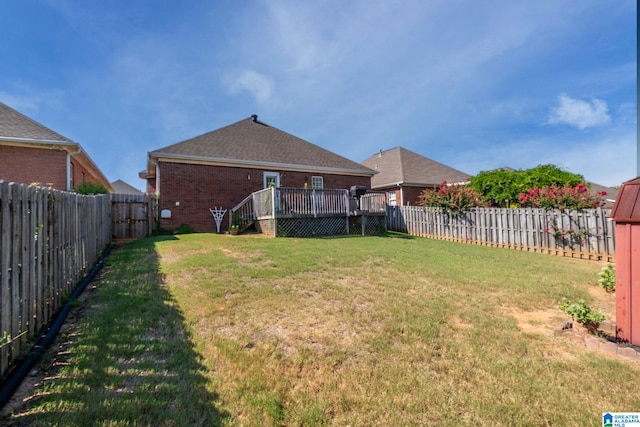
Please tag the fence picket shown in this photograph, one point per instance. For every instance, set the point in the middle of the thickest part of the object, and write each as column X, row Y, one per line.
column 49, row 240
column 580, row 234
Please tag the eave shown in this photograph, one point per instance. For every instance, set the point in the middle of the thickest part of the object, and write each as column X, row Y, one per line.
column 178, row 158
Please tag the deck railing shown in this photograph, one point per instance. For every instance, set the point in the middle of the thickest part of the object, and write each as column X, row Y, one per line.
column 310, row 202
column 286, row 202
column 243, row 213
column 373, row 202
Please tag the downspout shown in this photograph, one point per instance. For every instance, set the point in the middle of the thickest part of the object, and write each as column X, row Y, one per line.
column 69, row 177
column 157, row 176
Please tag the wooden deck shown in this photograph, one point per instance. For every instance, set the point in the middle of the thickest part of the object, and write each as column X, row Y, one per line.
column 301, row 212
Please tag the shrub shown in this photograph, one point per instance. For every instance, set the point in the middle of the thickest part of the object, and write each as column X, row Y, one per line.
column 502, row 187
column 453, row 198
column 578, row 197
column 184, row 229
column 607, row 278
column 581, row 312
column 89, row 187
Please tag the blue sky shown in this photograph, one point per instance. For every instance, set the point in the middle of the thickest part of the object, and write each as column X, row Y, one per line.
column 475, row 85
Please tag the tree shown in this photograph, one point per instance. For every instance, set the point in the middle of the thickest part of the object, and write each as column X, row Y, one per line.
column 503, row 187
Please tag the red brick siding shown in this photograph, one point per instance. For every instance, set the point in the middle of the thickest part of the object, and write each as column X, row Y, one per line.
column 199, row 187
column 151, row 185
column 78, row 170
column 26, row 165
column 411, row 195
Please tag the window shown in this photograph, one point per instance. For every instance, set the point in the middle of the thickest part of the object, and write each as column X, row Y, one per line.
column 271, row 179
column 392, row 198
column 71, row 172
column 317, row 183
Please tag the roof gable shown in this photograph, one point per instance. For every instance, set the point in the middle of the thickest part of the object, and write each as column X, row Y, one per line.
column 627, row 205
column 401, row 166
column 253, row 142
column 15, row 125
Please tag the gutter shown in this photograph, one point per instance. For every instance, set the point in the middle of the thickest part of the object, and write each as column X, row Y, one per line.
column 36, row 141
column 220, row 161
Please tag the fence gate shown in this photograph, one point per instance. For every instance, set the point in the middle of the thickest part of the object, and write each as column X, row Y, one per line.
column 132, row 216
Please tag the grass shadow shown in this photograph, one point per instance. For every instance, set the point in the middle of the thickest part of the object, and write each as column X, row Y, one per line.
column 129, row 359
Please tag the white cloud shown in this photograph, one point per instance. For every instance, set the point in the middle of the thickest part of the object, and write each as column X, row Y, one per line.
column 256, row 84
column 580, row 114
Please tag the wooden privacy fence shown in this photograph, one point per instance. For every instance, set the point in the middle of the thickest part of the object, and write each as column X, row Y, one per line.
column 133, row 215
column 587, row 234
column 49, row 240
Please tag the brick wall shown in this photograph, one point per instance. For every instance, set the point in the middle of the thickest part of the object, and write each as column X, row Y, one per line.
column 188, row 191
column 26, row 165
column 81, row 174
column 411, row 195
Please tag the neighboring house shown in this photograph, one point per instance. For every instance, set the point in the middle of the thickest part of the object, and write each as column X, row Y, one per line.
column 121, row 187
column 403, row 175
column 609, row 197
column 221, row 168
column 33, row 153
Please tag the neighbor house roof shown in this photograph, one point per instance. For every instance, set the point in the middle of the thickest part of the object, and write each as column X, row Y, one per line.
column 15, row 126
column 252, row 143
column 399, row 166
column 121, row 187
column 16, row 129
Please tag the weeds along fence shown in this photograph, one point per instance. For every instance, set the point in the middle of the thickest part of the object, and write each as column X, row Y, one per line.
column 586, row 234
column 49, row 240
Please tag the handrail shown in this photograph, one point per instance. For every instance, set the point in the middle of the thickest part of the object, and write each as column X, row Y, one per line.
column 243, row 214
column 288, row 201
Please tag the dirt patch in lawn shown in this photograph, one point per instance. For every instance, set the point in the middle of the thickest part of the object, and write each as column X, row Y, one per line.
column 542, row 322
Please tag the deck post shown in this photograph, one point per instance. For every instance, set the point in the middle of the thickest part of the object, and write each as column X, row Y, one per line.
column 273, row 211
column 313, row 203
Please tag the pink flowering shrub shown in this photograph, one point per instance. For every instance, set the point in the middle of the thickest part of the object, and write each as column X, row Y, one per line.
column 454, row 198
column 577, row 197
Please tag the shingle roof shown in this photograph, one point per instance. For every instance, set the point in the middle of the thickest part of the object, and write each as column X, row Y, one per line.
column 401, row 166
column 254, row 142
column 16, row 125
column 121, row 187
column 627, row 206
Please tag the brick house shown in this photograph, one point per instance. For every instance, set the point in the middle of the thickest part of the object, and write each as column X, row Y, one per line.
column 31, row 152
column 403, row 175
column 222, row 167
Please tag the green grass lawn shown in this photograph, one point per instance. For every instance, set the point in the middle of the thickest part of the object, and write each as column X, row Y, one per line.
column 207, row 329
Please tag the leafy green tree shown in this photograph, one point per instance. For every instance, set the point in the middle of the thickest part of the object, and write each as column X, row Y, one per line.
column 89, row 187
column 503, row 187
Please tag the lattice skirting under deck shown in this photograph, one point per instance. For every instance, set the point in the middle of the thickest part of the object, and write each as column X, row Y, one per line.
column 323, row 226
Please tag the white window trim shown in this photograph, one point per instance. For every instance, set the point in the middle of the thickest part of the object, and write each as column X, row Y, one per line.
column 269, row 174
column 394, row 201
column 321, row 179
